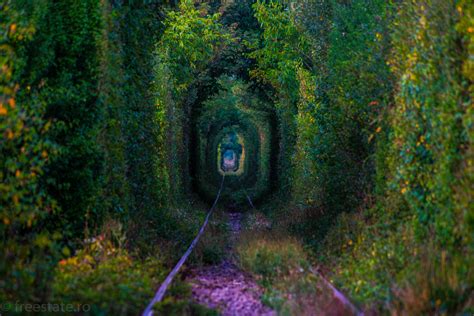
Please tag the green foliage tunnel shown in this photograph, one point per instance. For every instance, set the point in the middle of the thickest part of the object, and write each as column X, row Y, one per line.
column 354, row 122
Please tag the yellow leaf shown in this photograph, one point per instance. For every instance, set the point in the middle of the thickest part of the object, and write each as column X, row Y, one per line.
column 66, row 251
column 371, row 136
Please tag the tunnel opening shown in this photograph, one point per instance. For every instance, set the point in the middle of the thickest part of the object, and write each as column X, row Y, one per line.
column 226, row 102
column 232, row 136
column 231, row 154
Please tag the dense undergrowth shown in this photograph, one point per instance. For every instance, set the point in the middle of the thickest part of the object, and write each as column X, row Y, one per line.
column 356, row 119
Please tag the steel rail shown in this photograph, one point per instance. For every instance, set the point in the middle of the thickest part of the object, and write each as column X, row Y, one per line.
column 248, row 197
column 250, row 201
column 164, row 286
column 338, row 294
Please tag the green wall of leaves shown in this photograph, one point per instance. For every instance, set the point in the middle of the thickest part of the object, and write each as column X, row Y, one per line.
column 83, row 137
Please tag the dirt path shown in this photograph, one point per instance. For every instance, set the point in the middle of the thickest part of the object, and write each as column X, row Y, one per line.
column 226, row 288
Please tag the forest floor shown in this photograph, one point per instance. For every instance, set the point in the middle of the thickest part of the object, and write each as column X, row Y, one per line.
column 225, row 287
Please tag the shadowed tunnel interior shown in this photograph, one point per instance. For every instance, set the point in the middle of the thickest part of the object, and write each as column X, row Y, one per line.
column 233, row 124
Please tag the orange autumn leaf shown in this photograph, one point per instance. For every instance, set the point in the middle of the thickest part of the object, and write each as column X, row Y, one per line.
column 3, row 110
column 12, row 103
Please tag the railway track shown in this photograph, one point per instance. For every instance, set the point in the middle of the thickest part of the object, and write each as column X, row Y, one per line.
column 160, row 293
column 232, row 291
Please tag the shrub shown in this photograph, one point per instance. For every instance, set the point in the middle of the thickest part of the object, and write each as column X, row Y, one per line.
column 439, row 284
column 107, row 278
column 269, row 258
column 214, row 244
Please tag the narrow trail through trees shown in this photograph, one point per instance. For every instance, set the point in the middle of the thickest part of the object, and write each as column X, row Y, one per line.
column 225, row 287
